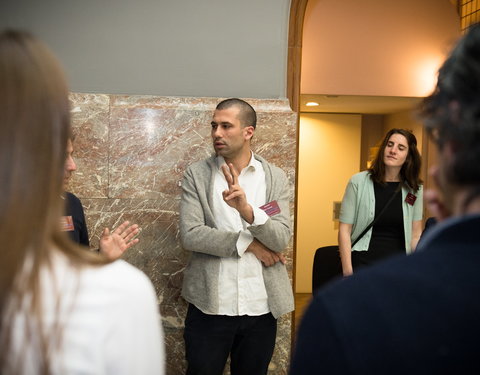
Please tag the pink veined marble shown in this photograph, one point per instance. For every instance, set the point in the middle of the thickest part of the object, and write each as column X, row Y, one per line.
column 131, row 152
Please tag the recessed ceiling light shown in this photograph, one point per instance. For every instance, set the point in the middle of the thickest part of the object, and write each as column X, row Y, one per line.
column 311, row 104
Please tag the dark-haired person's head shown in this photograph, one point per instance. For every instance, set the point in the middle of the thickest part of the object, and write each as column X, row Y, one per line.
column 247, row 115
column 451, row 115
column 410, row 167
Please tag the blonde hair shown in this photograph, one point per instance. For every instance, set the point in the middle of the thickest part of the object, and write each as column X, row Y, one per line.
column 34, row 129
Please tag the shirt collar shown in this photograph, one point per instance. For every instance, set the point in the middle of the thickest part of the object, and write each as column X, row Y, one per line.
column 253, row 164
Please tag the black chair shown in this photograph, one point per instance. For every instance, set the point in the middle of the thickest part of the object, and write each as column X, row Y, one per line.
column 429, row 223
column 326, row 266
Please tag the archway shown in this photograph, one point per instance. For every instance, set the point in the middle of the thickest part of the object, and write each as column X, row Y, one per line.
column 295, row 48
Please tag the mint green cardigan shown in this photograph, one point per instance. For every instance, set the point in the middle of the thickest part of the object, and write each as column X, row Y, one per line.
column 358, row 209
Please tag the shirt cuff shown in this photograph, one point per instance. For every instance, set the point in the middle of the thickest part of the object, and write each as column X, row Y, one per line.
column 260, row 217
column 244, row 241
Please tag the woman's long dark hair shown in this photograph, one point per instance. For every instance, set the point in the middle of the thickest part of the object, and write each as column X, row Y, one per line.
column 410, row 172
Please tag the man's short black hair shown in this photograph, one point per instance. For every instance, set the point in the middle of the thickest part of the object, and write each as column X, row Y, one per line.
column 248, row 116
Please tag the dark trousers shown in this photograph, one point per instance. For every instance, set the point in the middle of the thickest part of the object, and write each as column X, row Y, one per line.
column 210, row 339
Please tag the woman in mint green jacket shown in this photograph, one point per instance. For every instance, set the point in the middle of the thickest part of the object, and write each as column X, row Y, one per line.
column 395, row 172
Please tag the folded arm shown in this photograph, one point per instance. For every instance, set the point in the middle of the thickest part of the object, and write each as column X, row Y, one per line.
column 276, row 232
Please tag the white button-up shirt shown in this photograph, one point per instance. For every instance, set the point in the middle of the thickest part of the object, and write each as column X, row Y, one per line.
column 241, row 289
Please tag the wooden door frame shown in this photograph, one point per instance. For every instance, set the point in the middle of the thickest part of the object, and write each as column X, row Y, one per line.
column 294, row 60
column 294, row 64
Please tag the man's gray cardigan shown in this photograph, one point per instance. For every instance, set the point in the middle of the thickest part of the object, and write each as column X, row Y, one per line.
column 200, row 235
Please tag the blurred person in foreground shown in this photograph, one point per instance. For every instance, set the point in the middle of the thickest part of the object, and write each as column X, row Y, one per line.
column 416, row 314
column 63, row 310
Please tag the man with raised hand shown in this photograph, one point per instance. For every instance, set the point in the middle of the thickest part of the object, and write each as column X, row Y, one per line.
column 235, row 221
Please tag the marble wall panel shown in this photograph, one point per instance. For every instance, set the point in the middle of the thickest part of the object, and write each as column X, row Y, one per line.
column 131, row 153
column 152, row 142
column 90, row 120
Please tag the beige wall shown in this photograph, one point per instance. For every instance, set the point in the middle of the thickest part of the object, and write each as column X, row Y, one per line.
column 329, row 153
column 372, row 134
column 405, row 120
column 375, row 47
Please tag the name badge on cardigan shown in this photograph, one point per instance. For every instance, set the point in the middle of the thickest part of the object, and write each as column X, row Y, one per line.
column 271, row 208
column 410, row 199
